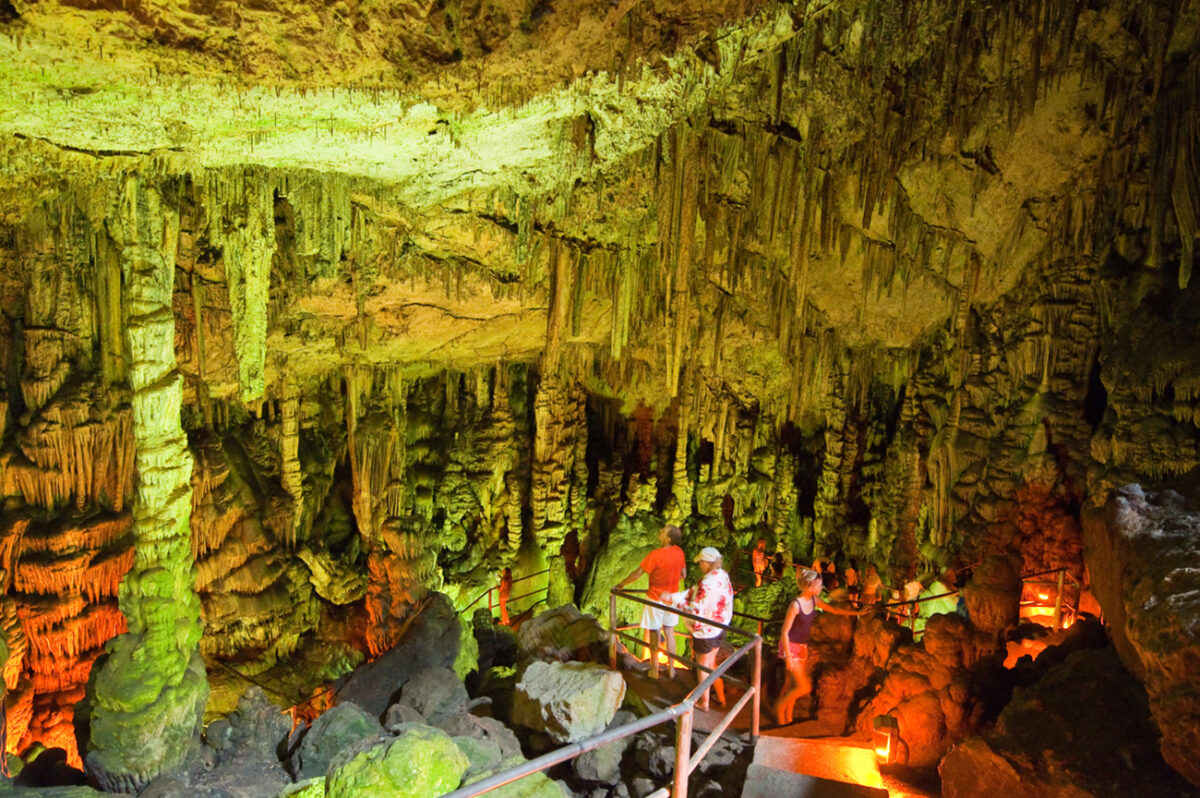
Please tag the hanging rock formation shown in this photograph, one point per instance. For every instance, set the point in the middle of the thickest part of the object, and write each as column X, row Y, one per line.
column 401, row 297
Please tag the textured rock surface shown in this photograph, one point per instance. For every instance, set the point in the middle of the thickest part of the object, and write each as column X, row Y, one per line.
column 148, row 696
column 563, row 633
column 567, row 700
column 471, row 286
column 340, row 728
column 1144, row 554
column 1041, row 748
column 421, row 762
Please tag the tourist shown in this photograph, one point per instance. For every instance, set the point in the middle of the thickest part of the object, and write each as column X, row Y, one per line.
column 872, row 585
column 710, row 598
column 910, row 593
column 664, row 567
column 793, row 642
column 504, row 591
column 758, row 561
column 851, row 576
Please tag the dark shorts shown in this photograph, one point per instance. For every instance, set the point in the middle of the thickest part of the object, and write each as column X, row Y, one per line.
column 703, row 645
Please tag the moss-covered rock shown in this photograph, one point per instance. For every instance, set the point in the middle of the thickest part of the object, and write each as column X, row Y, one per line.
column 336, row 730
column 422, row 762
column 309, row 788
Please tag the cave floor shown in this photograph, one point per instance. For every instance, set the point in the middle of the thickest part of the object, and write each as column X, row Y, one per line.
column 825, row 735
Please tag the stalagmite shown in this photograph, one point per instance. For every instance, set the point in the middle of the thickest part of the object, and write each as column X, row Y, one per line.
column 149, row 696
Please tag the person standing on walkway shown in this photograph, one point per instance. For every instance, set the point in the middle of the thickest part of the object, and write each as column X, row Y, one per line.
column 872, row 588
column 758, row 561
column 504, row 591
column 710, row 598
column 793, row 643
column 665, row 568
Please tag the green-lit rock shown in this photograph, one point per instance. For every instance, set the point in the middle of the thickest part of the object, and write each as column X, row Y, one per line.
column 131, row 747
column 632, row 540
column 467, row 659
column 309, row 788
column 535, row 785
column 335, row 731
column 568, row 700
column 422, row 762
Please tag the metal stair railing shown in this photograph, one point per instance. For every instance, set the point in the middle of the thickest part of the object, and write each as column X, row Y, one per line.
column 682, row 713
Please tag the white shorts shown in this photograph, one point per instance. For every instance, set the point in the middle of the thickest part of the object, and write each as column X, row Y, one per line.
column 654, row 618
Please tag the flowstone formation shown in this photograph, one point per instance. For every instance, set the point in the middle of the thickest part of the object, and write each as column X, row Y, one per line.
column 148, row 695
column 392, row 298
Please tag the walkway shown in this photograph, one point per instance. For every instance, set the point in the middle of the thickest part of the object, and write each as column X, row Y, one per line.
column 803, row 759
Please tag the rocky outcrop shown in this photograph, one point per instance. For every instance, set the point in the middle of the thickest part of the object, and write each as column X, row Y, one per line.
column 567, row 700
column 930, row 690
column 1040, row 748
column 1143, row 552
column 421, row 761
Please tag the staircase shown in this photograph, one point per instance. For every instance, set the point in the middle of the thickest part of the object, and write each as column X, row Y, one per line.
column 787, row 767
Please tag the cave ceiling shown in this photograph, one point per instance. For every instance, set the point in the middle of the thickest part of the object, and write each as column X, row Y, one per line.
column 846, row 176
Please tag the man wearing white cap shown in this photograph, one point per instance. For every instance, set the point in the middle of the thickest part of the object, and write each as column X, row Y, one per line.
column 711, row 598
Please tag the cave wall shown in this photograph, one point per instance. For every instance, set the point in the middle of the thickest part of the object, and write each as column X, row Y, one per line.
column 911, row 283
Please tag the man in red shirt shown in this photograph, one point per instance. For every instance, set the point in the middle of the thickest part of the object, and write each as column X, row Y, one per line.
column 665, row 567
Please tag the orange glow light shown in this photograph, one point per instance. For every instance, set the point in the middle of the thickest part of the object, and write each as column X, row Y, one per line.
column 1044, row 595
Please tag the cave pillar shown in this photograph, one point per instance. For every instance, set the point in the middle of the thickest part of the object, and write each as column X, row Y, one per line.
column 148, row 697
column 560, row 437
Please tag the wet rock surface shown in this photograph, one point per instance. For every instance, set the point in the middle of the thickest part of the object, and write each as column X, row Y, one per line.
column 1143, row 550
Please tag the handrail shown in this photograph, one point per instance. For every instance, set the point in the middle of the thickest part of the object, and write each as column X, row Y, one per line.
column 494, row 588
column 681, row 712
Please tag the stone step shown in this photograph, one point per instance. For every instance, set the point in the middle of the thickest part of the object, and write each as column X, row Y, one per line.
column 834, row 758
column 768, row 782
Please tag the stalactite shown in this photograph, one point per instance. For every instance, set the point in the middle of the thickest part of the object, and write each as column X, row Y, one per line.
column 241, row 221
column 75, row 456
column 291, row 475
column 681, row 314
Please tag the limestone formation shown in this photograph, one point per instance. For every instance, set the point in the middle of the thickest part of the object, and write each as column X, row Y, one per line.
column 379, row 299
column 149, row 694
column 567, row 700
column 1143, row 551
column 422, row 761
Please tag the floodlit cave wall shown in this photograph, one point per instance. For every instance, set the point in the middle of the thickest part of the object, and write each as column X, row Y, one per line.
column 913, row 283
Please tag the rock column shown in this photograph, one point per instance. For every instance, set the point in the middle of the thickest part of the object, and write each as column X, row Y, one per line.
column 148, row 696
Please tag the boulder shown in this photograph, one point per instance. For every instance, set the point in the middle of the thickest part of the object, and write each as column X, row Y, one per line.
column 257, row 726
column 563, row 633
column 993, row 595
column 334, row 731
column 972, row 769
column 1084, row 729
column 1143, row 553
column 567, row 700
column 436, row 695
column 603, row 764
column 421, row 762
column 433, row 641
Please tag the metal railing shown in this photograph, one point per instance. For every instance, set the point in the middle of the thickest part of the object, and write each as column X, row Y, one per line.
column 685, row 761
column 682, row 713
column 492, row 593
column 1061, row 575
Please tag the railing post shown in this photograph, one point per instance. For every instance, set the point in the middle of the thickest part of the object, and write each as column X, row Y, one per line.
column 612, row 631
column 1058, row 601
column 683, row 753
column 653, row 643
column 757, row 682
